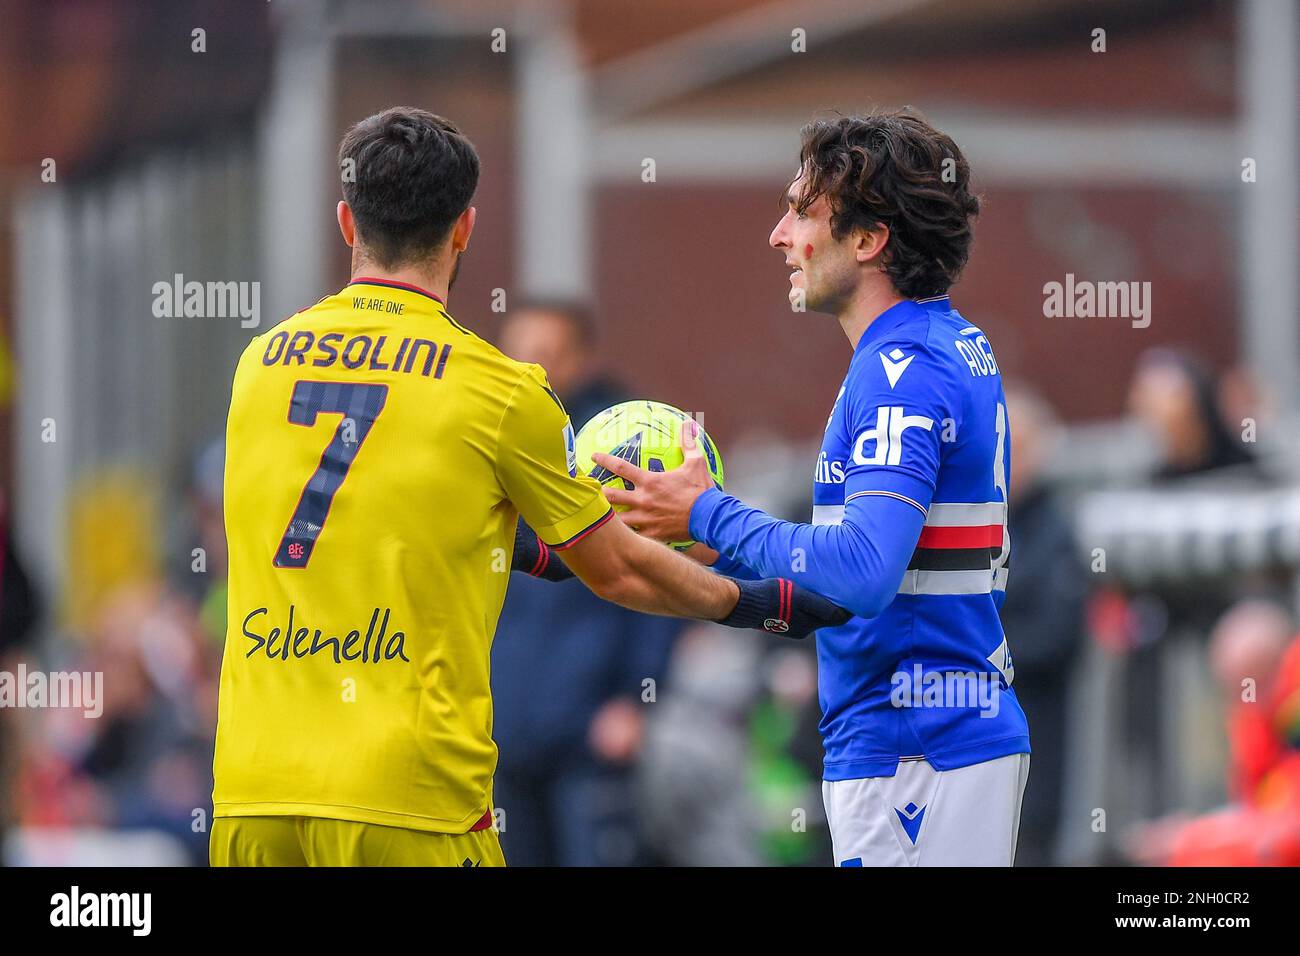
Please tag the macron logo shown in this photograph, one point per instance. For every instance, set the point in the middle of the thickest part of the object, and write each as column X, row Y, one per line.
column 894, row 369
column 911, row 817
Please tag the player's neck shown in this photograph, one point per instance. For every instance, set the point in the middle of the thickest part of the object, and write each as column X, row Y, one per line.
column 867, row 304
column 432, row 279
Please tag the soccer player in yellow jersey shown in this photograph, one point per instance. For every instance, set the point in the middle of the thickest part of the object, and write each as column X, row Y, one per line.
column 379, row 456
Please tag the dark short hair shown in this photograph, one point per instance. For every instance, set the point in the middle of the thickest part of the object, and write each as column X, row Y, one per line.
column 894, row 168
column 415, row 173
column 577, row 313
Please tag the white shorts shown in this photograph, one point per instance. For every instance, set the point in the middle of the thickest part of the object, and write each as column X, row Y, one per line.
column 926, row 817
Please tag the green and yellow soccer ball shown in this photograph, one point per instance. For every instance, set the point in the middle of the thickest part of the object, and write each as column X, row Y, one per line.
column 646, row 434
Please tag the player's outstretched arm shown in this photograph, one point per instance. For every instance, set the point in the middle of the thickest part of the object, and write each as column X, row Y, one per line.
column 621, row 566
column 534, row 557
column 859, row 563
column 617, row 564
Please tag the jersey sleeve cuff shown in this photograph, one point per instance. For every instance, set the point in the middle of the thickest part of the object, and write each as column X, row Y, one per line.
column 731, row 568
column 702, row 513
column 569, row 532
column 892, row 484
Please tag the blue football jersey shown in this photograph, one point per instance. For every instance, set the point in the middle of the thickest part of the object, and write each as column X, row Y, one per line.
column 909, row 531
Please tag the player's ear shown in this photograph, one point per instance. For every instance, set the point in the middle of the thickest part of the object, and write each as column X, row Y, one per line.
column 461, row 231
column 347, row 224
column 871, row 243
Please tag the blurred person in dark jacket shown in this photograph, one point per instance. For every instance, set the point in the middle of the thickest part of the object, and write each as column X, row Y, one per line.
column 572, row 675
column 1042, row 616
column 1178, row 400
column 19, row 609
column 19, row 604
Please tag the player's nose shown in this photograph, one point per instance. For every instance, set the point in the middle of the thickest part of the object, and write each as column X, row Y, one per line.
column 778, row 240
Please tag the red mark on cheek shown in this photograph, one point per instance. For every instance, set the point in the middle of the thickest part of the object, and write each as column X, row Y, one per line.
column 807, row 251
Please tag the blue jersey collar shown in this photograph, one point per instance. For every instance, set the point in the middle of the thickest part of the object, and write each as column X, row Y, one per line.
column 898, row 315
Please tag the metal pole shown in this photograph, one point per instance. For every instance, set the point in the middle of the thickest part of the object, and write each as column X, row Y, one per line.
column 1269, row 46
column 553, row 158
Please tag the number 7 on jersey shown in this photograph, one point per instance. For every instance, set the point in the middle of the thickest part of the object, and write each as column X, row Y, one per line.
column 359, row 405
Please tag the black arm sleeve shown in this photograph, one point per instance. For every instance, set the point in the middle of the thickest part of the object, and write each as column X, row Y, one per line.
column 534, row 557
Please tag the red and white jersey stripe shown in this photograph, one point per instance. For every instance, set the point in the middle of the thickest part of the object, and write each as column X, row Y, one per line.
column 963, row 547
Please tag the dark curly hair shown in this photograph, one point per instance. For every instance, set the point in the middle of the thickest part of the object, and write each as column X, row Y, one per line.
column 414, row 174
column 894, row 168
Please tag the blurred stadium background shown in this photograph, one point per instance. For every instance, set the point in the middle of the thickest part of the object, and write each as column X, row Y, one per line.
column 633, row 155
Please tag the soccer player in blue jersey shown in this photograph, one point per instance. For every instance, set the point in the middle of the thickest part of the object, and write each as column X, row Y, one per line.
column 927, row 749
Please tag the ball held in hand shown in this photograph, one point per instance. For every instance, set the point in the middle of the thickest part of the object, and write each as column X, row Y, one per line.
column 646, row 434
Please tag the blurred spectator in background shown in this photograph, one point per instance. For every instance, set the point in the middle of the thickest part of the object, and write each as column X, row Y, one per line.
column 1042, row 616
column 1247, row 648
column 1255, row 657
column 698, row 763
column 1177, row 398
column 19, row 605
column 19, row 609
column 571, row 674
column 199, row 565
column 143, row 766
column 786, row 758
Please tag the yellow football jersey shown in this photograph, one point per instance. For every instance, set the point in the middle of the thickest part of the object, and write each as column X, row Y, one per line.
column 377, row 456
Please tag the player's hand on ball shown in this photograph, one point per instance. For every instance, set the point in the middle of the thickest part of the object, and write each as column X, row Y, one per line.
column 659, row 507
